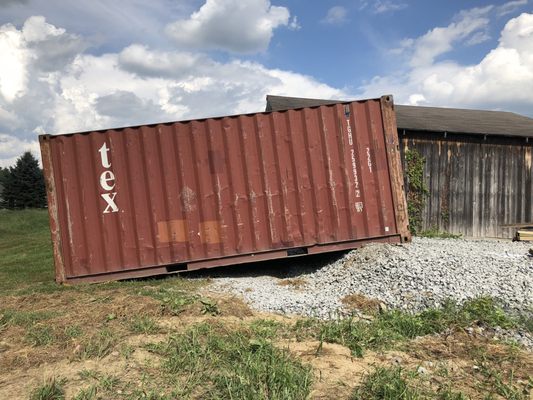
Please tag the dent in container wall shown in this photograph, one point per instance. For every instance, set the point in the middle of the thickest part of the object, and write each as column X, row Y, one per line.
column 161, row 198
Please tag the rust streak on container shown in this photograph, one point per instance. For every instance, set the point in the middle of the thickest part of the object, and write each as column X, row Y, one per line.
column 392, row 144
column 49, row 176
column 137, row 201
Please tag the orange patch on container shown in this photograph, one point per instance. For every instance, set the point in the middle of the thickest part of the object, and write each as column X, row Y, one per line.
column 172, row 231
column 209, row 232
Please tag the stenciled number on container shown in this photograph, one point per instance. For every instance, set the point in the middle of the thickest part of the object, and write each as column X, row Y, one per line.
column 358, row 205
column 107, row 181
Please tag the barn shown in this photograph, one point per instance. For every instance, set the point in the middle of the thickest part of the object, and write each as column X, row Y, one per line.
column 477, row 165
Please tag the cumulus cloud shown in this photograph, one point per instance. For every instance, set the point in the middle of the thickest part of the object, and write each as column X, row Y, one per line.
column 231, row 25
column 139, row 60
column 53, row 47
column 38, row 45
column 335, row 16
column 503, row 79
column 15, row 57
column 12, row 147
column 136, row 85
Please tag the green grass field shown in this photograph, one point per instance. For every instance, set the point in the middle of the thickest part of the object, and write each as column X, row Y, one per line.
column 172, row 339
column 26, row 250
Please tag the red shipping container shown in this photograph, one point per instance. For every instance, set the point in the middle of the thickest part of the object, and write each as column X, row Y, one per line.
column 154, row 199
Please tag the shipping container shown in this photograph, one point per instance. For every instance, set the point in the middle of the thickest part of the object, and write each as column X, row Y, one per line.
column 168, row 197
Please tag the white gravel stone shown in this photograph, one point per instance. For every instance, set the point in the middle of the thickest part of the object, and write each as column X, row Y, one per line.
column 409, row 277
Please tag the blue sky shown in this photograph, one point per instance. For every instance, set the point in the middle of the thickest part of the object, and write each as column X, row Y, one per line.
column 70, row 66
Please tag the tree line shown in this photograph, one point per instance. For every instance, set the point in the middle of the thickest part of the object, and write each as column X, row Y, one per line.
column 22, row 185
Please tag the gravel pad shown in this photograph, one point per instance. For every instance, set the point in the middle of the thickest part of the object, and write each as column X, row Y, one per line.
column 409, row 277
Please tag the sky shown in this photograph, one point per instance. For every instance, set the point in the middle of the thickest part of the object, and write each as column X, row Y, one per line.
column 70, row 66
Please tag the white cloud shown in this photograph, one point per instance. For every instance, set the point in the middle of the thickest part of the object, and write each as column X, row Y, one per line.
column 510, row 7
column 294, row 25
column 138, row 59
column 53, row 47
column 335, row 16
column 503, row 79
column 12, row 148
column 37, row 30
column 477, row 38
column 135, row 85
column 469, row 26
column 15, row 58
column 383, row 6
column 232, row 25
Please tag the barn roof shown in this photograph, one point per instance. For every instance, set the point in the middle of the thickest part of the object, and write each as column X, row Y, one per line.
column 433, row 119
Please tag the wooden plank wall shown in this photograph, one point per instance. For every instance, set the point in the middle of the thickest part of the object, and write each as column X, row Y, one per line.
column 476, row 184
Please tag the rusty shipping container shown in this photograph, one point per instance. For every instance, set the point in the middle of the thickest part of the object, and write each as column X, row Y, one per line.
column 168, row 197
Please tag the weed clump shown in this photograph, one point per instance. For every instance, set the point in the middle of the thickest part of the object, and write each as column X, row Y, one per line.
column 52, row 389
column 395, row 383
column 232, row 364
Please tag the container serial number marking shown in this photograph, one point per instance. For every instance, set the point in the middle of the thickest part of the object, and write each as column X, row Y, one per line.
column 357, row 191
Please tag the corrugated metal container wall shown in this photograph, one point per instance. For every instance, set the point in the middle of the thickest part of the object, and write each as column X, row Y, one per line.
column 161, row 198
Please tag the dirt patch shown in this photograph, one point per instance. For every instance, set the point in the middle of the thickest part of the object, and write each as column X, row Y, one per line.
column 336, row 371
column 295, row 283
column 362, row 303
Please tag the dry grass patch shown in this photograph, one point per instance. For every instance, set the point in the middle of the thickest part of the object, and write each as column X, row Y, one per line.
column 477, row 365
column 47, row 328
column 361, row 303
column 294, row 283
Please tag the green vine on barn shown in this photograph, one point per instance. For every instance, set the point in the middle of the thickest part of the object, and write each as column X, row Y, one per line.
column 417, row 190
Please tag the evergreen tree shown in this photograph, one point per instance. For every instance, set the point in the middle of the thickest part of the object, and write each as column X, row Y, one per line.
column 24, row 184
column 4, row 172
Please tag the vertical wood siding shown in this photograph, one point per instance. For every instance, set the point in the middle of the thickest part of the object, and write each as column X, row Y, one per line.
column 476, row 184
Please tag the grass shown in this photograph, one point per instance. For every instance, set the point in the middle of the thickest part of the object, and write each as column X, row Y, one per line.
column 174, row 300
column 88, row 393
column 24, row 318
column 99, row 345
column 233, row 364
column 223, row 357
column 50, row 390
column 395, row 383
column 386, row 384
column 26, row 250
column 392, row 327
column 144, row 325
column 40, row 335
column 435, row 233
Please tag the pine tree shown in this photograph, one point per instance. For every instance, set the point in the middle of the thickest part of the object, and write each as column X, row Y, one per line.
column 24, row 184
column 4, row 172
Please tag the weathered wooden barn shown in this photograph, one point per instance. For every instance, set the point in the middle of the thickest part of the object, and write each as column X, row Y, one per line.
column 477, row 165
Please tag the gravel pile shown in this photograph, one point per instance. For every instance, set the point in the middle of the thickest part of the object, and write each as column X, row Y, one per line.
column 409, row 277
